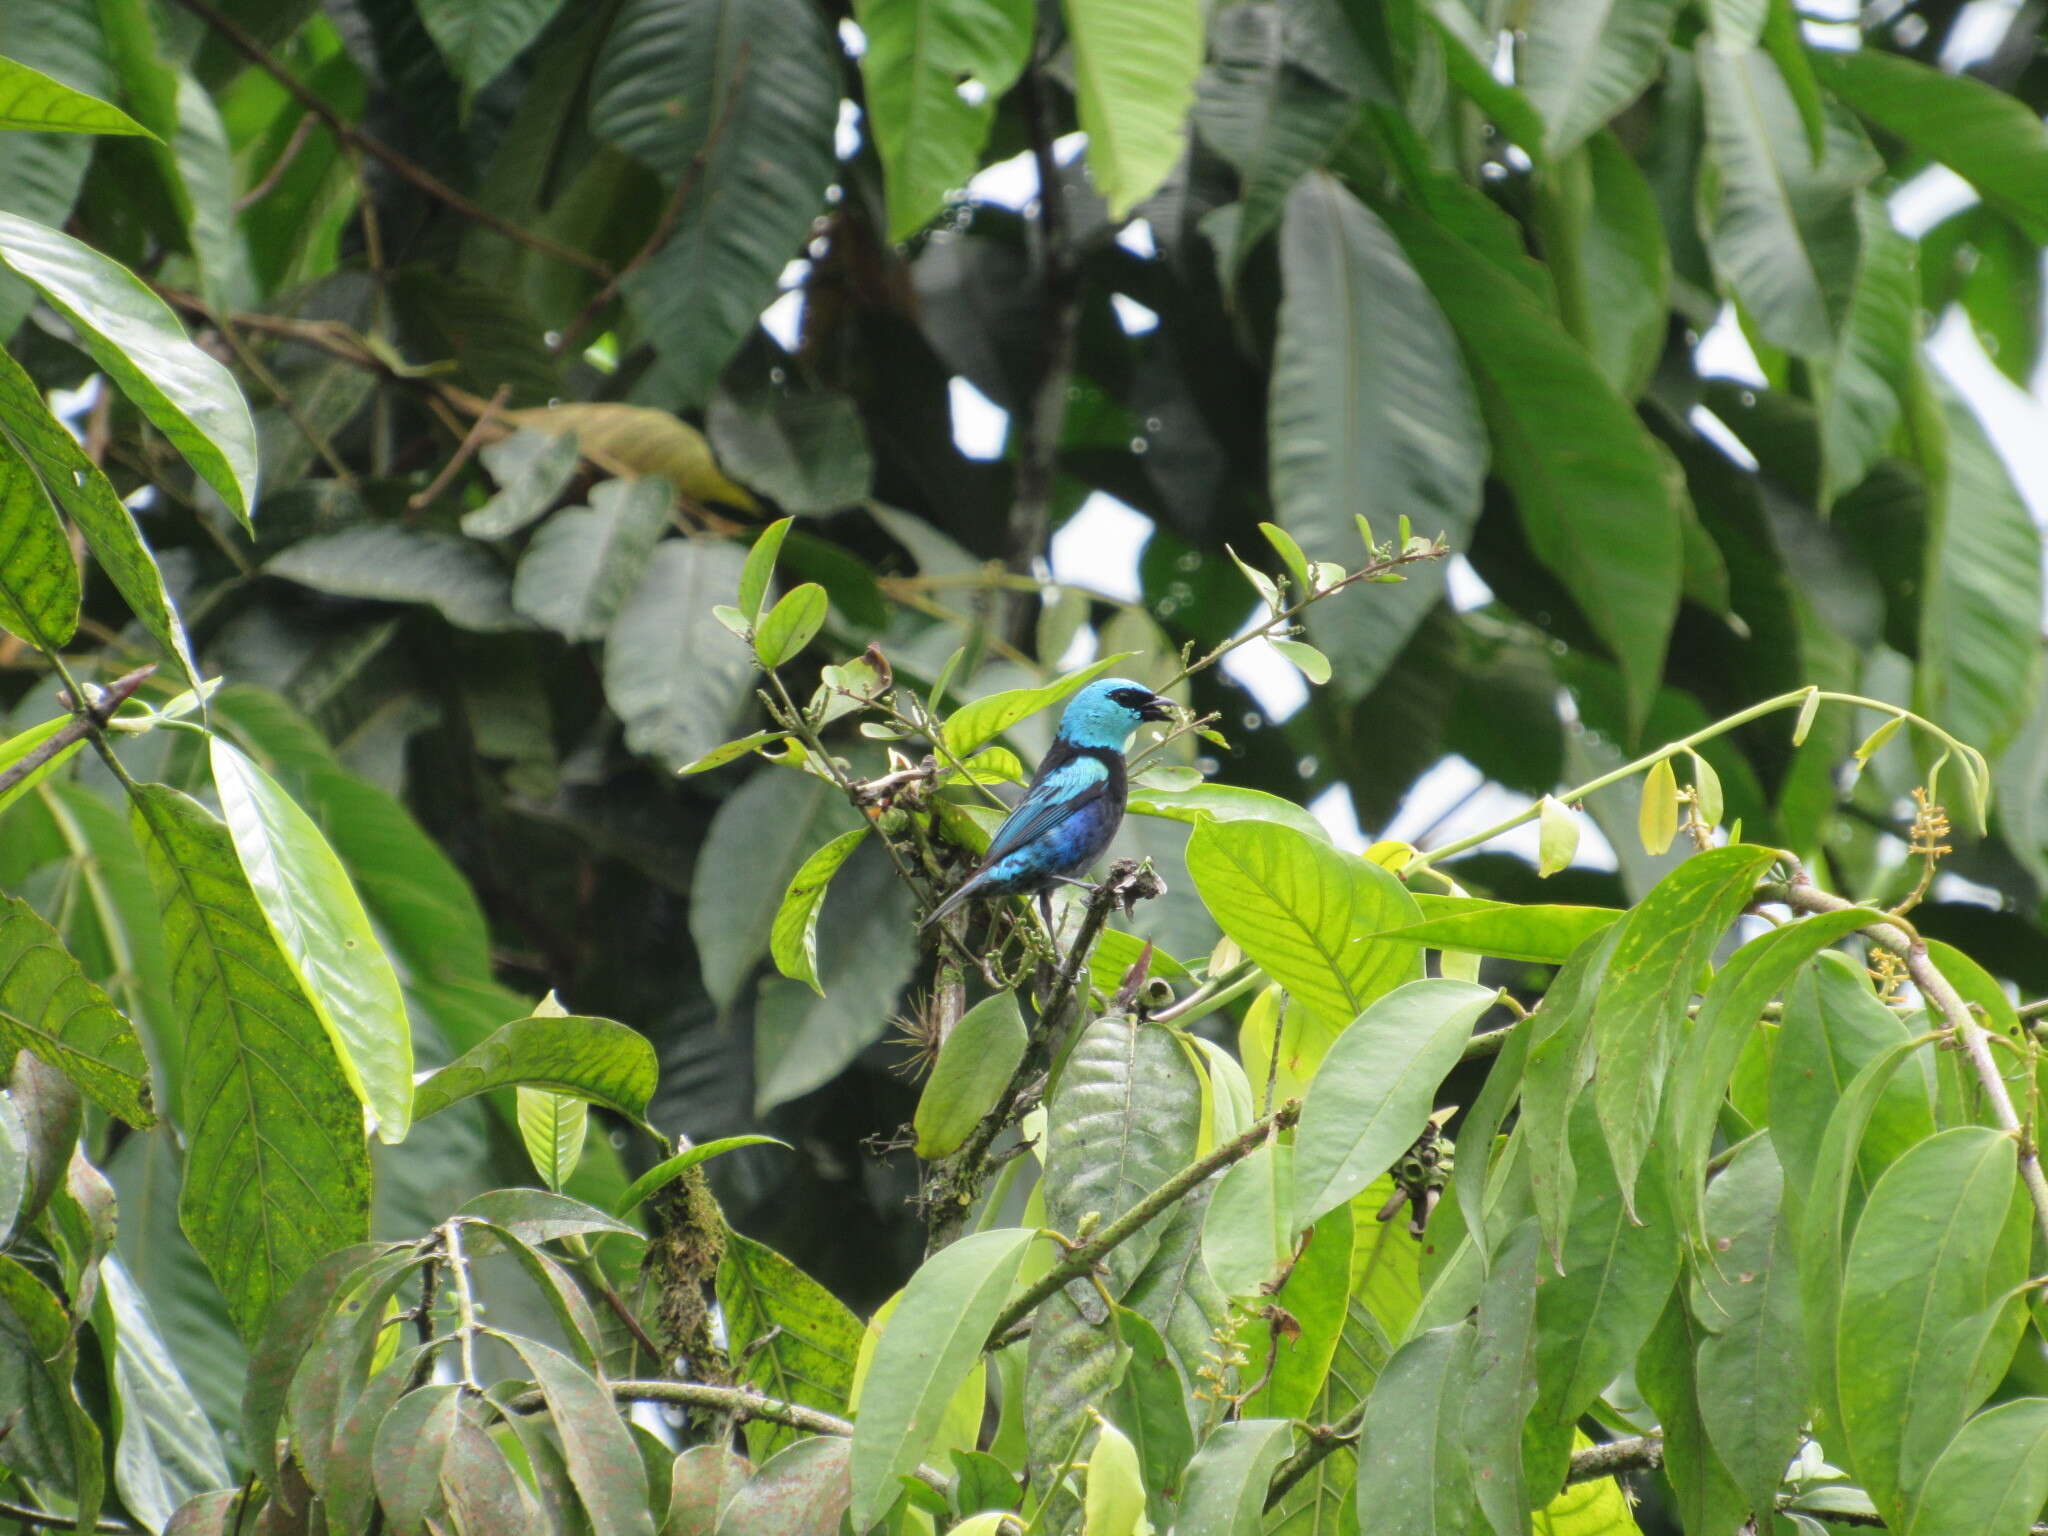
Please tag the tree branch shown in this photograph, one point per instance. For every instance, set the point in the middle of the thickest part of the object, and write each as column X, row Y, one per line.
column 88, row 721
column 1083, row 1257
column 1802, row 895
column 354, row 138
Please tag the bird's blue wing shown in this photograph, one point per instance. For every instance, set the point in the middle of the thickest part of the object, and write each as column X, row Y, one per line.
column 1052, row 798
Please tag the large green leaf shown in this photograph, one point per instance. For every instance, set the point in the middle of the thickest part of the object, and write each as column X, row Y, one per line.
column 1124, row 1117
column 1413, row 1478
column 795, row 1340
column 1993, row 140
column 975, row 1064
column 1782, row 228
column 1599, row 504
column 1225, row 1492
column 478, row 38
column 39, row 589
column 1270, row 118
column 133, row 335
column 919, row 55
column 671, row 671
column 793, row 940
column 1993, row 1477
column 1923, row 1259
column 1305, row 911
column 1176, row 1293
column 597, row 1445
column 735, row 100
column 74, row 483
column 1874, row 356
column 1369, row 411
column 1707, row 1499
column 933, row 1339
column 1584, row 60
column 54, row 1440
column 47, row 1006
column 1979, row 660
column 395, row 564
column 583, row 562
column 40, row 174
column 166, row 1452
column 1135, row 63
column 981, row 720
column 30, row 99
column 587, row 1058
column 1598, row 224
column 1659, row 960
column 1372, row 1095
column 277, row 1174
column 321, row 929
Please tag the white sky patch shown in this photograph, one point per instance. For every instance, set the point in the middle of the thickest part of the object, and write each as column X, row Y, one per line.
column 1467, row 588
column 1928, row 198
column 846, row 136
column 1137, row 238
column 1134, row 317
column 1097, row 548
column 979, row 424
column 1724, row 352
column 1979, row 28
column 1273, row 681
column 1334, row 809
column 784, row 319
column 1715, row 431
column 852, row 39
column 1008, row 183
column 1453, row 799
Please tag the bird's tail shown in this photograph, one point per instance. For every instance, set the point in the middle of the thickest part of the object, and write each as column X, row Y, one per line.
column 966, row 889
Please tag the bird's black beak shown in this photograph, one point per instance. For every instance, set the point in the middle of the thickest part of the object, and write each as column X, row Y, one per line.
column 1158, row 707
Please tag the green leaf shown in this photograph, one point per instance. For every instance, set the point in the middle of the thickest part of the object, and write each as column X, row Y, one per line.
column 919, row 55
column 166, row 1452
column 1752, row 1389
column 731, row 751
column 800, row 1491
column 1783, row 228
column 791, row 624
column 54, row 1440
column 1544, row 935
column 1368, row 390
column 931, row 1342
column 1706, row 1499
column 761, row 843
column 1316, row 1293
column 1584, row 60
column 1135, row 63
column 532, row 468
column 583, row 562
column 1727, row 1021
column 1225, row 1492
column 738, row 99
column 395, row 564
column 1302, row 909
column 1272, row 120
column 48, row 1007
column 1249, row 1227
column 1873, row 358
column 539, row 1216
column 1599, row 503
column 132, row 334
column 1373, row 1093
column 702, row 1479
column 1503, row 1387
column 1176, row 1294
column 985, row 718
column 39, row 591
column 1598, row 224
column 1991, row 139
column 1124, row 1117
column 1920, row 1262
column 1993, row 1477
column 479, row 38
column 1659, row 960
column 72, row 482
column 1559, row 831
column 974, row 1066
column 760, row 568
column 587, row 1058
column 666, row 1172
column 793, row 1339
column 323, row 933
column 1114, row 1501
column 807, row 449
column 1412, row 1473
column 30, row 99
column 1978, row 663
column 410, row 1446
column 1150, row 1405
column 670, row 673
column 553, row 1128
column 276, row 1172
column 1224, row 802
column 596, row 1444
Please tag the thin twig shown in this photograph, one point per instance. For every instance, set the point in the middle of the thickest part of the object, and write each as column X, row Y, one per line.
column 1082, row 1258
column 1802, row 895
column 419, row 176
column 85, row 721
column 1637, row 1453
column 28, row 1514
column 304, row 131
column 471, row 440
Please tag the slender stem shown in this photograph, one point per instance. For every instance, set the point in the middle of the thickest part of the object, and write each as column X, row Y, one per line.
column 86, row 720
column 1082, row 1258
column 1671, row 749
column 1218, row 992
column 304, row 131
column 1802, row 895
column 465, row 1302
column 354, row 138
column 1633, row 1454
column 28, row 1514
column 471, row 441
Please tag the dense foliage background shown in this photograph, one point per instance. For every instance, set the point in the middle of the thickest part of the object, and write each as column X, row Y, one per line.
column 492, row 275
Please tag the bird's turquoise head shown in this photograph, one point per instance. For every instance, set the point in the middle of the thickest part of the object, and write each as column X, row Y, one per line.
column 1109, row 710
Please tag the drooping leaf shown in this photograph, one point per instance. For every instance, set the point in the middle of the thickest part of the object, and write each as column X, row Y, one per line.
column 975, row 1062
column 167, row 1452
column 277, row 1174
column 1368, row 391
column 1223, row 802
column 606, row 1469
column 1584, row 60
column 795, row 1340
column 48, row 1007
column 1412, row 1471
column 132, row 334
column 54, row 1440
column 627, row 439
column 1135, row 63
column 318, row 925
column 1606, row 251
column 671, row 672
column 479, row 40
column 1874, row 355
column 39, row 590
column 587, row 1058
column 532, row 468
column 1226, row 1485
column 394, row 564
column 583, row 562
column 1544, row 935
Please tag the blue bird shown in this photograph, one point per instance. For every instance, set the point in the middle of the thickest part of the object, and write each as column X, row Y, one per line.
column 1076, row 799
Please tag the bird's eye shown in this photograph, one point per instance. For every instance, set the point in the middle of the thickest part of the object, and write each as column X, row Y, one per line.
column 1132, row 698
